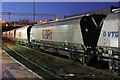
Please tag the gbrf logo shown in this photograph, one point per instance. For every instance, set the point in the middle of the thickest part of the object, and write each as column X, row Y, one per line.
column 47, row 34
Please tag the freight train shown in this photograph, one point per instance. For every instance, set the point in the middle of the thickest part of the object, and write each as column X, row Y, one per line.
column 86, row 37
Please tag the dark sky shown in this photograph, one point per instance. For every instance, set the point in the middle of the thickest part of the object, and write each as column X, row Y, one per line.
column 58, row 8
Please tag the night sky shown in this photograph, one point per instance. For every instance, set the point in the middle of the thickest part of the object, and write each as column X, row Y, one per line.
column 59, row 8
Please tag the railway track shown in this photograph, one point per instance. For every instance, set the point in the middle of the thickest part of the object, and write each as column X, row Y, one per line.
column 62, row 57
column 31, row 65
column 61, row 72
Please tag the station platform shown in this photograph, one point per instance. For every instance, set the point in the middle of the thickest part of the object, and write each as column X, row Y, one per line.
column 10, row 69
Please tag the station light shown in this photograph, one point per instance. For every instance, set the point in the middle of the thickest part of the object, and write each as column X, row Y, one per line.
column 3, row 21
column 6, row 25
column 56, row 19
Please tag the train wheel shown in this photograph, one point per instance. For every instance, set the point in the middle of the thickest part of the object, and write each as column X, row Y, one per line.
column 114, row 65
column 26, row 45
column 82, row 59
column 55, row 50
column 86, row 60
column 71, row 57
